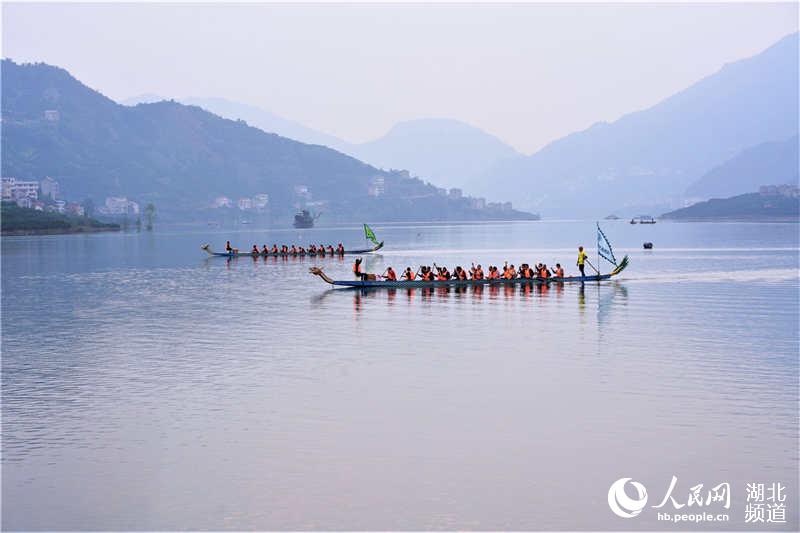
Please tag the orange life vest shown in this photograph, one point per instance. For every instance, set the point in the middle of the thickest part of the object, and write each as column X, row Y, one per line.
column 390, row 275
column 410, row 276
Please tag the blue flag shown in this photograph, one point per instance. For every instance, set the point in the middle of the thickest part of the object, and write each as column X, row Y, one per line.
column 604, row 249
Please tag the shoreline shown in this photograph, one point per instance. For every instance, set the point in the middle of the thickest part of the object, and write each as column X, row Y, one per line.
column 55, row 231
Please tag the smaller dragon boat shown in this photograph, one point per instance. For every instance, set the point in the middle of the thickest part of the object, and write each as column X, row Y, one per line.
column 207, row 248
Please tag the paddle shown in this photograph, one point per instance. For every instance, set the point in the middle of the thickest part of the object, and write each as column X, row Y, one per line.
column 591, row 265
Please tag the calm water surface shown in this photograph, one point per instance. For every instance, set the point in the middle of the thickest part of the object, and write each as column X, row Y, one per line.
column 145, row 386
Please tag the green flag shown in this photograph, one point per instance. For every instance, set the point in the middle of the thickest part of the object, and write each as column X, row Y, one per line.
column 368, row 234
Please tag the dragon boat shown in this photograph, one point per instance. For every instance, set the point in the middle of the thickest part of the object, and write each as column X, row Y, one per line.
column 207, row 248
column 406, row 284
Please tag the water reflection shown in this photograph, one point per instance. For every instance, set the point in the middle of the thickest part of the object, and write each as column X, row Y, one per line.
column 606, row 296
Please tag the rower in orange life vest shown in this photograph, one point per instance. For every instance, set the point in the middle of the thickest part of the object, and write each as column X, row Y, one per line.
column 510, row 273
column 581, row 259
column 255, row 249
column 359, row 273
column 390, row 275
column 265, row 250
column 228, row 247
column 558, row 271
column 543, row 272
column 476, row 272
column 274, row 248
column 409, row 275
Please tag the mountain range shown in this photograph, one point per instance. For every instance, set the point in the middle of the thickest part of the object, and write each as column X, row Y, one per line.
column 181, row 157
column 648, row 158
column 770, row 163
column 448, row 152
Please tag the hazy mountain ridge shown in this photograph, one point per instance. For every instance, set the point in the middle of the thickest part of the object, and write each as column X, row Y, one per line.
column 448, row 152
column 764, row 164
column 648, row 156
column 254, row 116
column 751, row 206
column 179, row 156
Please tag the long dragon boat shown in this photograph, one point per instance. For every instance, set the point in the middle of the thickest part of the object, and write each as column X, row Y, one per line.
column 207, row 248
column 405, row 284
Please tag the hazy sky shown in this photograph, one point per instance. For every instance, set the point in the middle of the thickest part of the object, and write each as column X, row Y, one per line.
column 526, row 73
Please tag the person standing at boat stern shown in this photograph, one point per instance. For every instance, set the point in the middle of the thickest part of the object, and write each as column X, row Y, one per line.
column 581, row 260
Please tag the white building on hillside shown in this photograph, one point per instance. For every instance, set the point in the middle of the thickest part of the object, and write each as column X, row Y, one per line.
column 49, row 188
column 377, row 187
column 13, row 189
column 260, row 201
column 119, row 205
column 221, row 201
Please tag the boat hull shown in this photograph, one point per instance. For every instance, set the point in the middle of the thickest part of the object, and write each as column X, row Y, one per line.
column 402, row 284
column 208, row 250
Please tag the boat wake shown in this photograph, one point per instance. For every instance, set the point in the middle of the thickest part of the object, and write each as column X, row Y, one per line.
column 767, row 275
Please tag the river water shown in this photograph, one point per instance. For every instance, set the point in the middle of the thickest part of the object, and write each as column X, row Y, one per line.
column 146, row 386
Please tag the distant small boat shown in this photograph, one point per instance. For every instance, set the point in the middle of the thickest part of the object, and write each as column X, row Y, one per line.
column 304, row 219
column 643, row 219
column 648, row 246
column 612, row 217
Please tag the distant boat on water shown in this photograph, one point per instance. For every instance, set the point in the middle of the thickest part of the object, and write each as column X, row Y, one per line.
column 612, row 217
column 643, row 219
column 304, row 219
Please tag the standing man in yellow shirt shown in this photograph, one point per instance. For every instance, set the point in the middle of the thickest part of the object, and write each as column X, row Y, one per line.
column 581, row 260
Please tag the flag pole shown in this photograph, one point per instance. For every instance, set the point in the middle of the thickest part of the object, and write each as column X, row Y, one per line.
column 598, row 245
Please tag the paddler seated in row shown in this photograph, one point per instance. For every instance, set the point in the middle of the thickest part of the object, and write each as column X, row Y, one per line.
column 255, row 249
column 274, row 248
column 265, row 250
column 558, row 271
column 284, row 249
column 330, row 249
column 443, row 274
column 321, row 249
column 476, row 272
column 509, row 272
column 541, row 271
column 409, row 275
column 390, row 275
column 426, row 273
column 229, row 248
column 301, row 250
column 493, row 273
column 340, row 249
column 460, row 273
column 525, row 271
